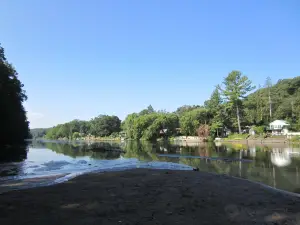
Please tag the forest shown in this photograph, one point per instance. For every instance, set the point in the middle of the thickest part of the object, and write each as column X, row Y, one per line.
column 234, row 104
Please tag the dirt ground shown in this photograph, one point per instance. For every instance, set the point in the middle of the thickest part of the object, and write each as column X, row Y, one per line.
column 149, row 197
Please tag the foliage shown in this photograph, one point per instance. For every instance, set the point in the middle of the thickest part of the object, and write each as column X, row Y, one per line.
column 216, row 108
column 295, row 139
column 191, row 120
column 104, row 125
column 236, row 88
column 285, row 103
column 229, row 108
column 236, row 136
column 38, row 133
column 185, row 108
column 259, row 129
column 150, row 126
column 100, row 126
column 14, row 124
column 75, row 135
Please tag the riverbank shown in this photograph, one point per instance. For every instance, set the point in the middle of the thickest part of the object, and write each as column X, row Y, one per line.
column 143, row 196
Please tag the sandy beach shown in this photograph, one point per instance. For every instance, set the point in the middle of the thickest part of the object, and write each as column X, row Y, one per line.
column 144, row 196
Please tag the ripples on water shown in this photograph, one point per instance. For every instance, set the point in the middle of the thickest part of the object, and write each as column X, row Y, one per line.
column 276, row 166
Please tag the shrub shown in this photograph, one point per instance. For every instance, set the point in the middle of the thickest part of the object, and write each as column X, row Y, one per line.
column 259, row 129
column 295, row 138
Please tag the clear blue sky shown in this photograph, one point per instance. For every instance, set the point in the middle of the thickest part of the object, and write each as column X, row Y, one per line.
column 79, row 59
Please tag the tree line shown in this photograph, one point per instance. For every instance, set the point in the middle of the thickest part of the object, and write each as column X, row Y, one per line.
column 233, row 105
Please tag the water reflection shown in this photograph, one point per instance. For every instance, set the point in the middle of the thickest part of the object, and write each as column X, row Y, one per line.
column 96, row 150
column 13, row 153
column 274, row 165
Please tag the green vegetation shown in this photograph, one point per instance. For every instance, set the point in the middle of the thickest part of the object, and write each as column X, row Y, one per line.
column 236, row 88
column 259, row 129
column 101, row 126
column 38, row 133
column 14, row 125
column 150, row 125
column 228, row 107
column 295, row 139
column 237, row 136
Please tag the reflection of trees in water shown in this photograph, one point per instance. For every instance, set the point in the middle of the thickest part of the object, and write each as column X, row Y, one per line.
column 101, row 150
column 147, row 151
column 142, row 150
column 16, row 154
column 286, row 178
column 13, row 153
column 261, row 169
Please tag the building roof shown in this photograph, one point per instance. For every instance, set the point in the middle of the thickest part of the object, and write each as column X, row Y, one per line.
column 279, row 122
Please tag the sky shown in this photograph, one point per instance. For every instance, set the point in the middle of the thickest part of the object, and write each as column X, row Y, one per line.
column 79, row 59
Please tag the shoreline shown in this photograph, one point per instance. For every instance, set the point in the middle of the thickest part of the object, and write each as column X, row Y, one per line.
column 260, row 141
column 51, row 180
column 149, row 196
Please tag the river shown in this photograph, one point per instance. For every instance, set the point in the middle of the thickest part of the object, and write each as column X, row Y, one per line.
column 275, row 165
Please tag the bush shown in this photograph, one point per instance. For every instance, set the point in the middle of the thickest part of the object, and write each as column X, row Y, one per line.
column 259, row 129
column 114, row 135
column 295, row 139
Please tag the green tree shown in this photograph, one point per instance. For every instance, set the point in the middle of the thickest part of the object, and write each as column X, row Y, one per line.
column 215, row 108
column 191, row 120
column 75, row 135
column 185, row 108
column 38, row 132
column 149, row 110
column 14, row 125
column 105, row 125
column 236, row 86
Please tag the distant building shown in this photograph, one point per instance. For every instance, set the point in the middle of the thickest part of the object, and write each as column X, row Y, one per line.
column 279, row 127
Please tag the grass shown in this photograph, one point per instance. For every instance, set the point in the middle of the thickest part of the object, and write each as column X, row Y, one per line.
column 295, row 139
column 237, row 136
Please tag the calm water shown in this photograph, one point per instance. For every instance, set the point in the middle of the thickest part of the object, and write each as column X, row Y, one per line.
column 274, row 165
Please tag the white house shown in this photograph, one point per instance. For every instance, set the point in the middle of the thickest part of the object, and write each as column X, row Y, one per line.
column 279, row 127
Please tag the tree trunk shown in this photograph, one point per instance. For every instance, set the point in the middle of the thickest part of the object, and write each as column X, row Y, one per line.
column 270, row 102
column 238, row 118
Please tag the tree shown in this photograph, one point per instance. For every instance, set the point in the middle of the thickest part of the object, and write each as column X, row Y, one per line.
column 215, row 108
column 185, row 108
column 105, row 125
column 191, row 120
column 236, row 88
column 14, row 125
column 269, row 87
column 150, row 109
column 75, row 135
column 147, row 111
column 38, row 133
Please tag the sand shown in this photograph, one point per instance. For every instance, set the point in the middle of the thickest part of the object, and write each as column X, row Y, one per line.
column 144, row 196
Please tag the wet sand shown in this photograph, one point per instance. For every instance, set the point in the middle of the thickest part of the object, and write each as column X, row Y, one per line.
column 11, row 185
column 144, row 196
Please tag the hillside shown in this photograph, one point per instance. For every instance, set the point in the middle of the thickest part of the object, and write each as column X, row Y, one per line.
column 285, row 98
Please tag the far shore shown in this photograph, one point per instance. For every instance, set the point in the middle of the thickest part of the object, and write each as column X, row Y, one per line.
column 145, row 196
column 263, row 141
